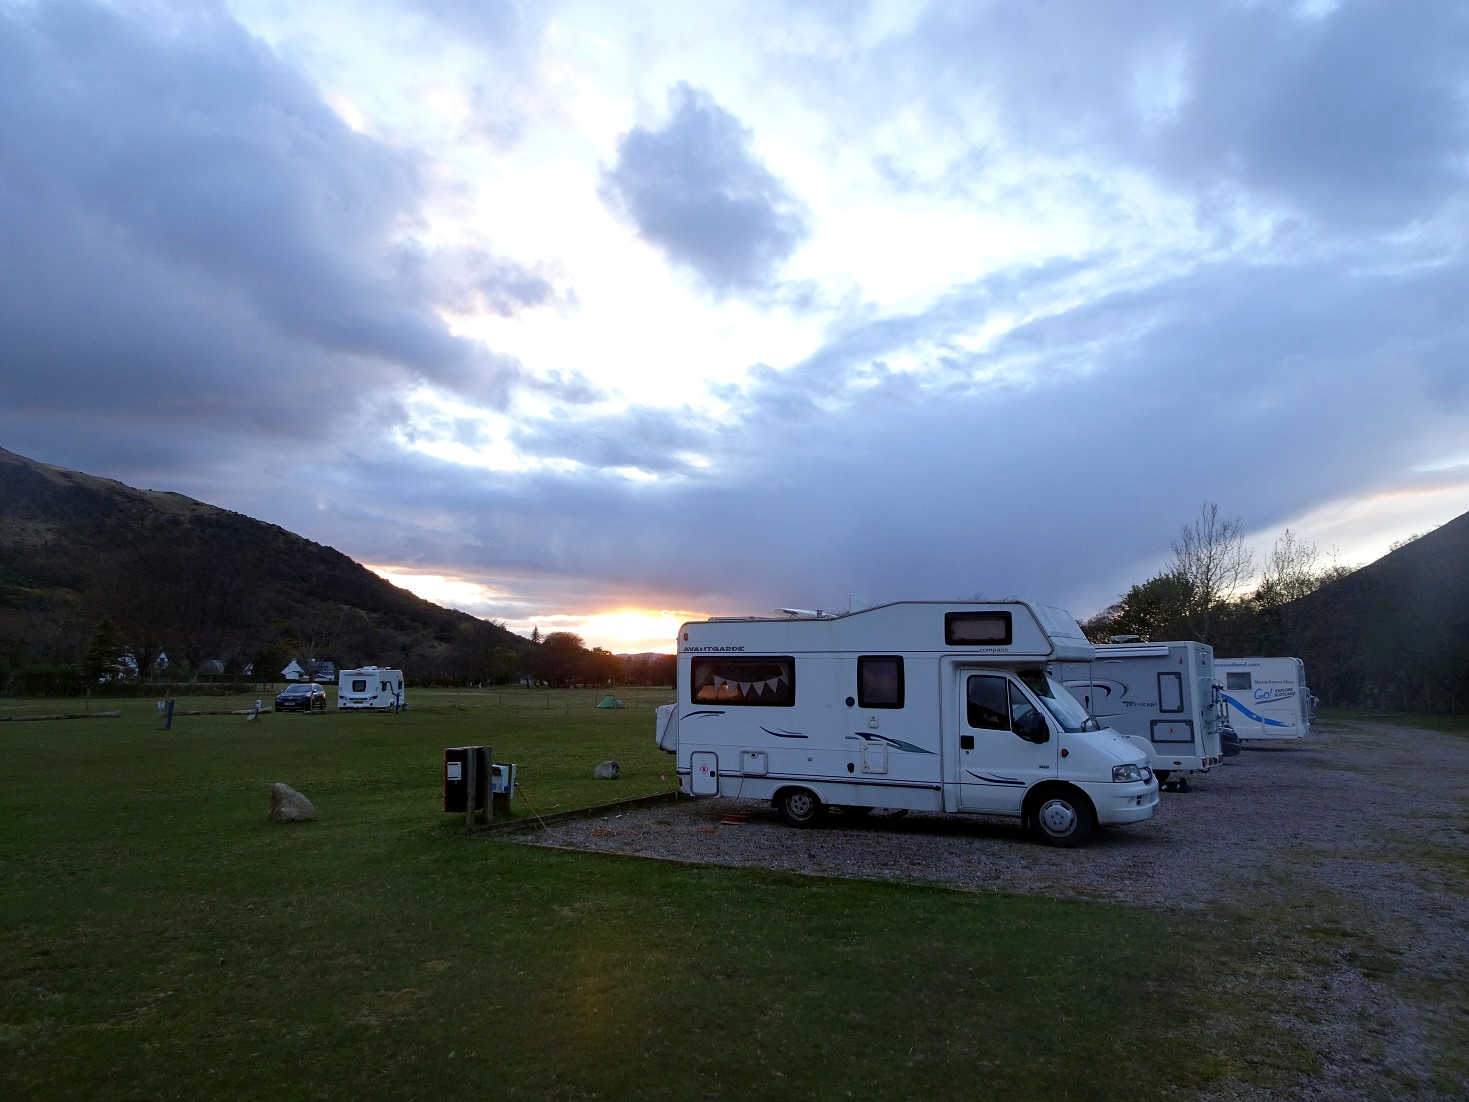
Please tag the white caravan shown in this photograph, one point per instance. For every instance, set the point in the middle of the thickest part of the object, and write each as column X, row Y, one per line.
column 1267, row 698
column 1160, row 696
column 375, row 687
column 919, row 705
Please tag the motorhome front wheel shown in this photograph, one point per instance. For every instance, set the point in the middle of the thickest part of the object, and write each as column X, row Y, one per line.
column 1063, row 820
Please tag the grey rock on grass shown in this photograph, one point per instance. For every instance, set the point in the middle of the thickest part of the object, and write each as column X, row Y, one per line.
column 289, row 806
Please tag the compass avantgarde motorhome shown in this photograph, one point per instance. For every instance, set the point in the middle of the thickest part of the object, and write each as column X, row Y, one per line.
column 920, row 705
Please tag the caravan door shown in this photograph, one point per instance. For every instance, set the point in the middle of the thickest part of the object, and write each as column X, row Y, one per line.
column 1005, row 743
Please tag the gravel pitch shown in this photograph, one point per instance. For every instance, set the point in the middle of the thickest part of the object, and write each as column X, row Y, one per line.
column 1362, row 825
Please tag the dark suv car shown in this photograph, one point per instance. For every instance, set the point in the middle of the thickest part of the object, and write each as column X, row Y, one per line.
column 301, row 698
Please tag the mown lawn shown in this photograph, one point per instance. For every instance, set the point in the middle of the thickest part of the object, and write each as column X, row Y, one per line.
column 158, row 938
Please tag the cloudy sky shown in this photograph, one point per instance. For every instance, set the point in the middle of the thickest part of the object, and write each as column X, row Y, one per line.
column 600, row 316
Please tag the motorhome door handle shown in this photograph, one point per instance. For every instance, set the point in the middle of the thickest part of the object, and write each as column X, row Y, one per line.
column 966, row 742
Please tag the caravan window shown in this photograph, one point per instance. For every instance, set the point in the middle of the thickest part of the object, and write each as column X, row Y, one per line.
column 977, row 629
column 880, row 681
column 359, row 684
column 1170, row 692
column 1237, row 681
column 762, row 682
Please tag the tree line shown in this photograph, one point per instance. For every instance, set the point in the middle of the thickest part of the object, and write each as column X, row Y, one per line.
column 476, row 656
column 1384, row 636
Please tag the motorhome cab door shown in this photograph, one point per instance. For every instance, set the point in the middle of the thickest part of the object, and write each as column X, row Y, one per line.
column 1005, row 743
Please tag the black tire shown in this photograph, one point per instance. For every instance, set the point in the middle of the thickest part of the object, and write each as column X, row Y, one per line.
column 1162, row 775
column 799, row 807
column 1063, row 817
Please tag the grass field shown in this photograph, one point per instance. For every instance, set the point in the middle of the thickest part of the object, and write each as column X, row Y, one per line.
column 1454, row 725
column 158, row 938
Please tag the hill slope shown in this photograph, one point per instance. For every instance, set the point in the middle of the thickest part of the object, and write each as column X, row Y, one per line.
column 1396, row 632
column 201, row 582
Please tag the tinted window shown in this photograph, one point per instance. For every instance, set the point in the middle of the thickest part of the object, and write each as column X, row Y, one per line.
column 989, row 703
column 359, row 685
column 762, row 682
column 1237, row 681
column 989, row 629
column 880, row 681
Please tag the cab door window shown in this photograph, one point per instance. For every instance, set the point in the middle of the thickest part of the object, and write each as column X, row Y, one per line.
column 994, row 704
column 989, row 702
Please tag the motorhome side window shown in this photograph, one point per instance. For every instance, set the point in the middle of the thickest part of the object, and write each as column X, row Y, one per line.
column 880, row 681
column 1237, row 681
column 736, row 682
column 978, row 629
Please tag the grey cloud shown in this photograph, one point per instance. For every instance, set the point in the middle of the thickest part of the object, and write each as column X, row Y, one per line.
column 853, row 359
column 655, row 441
column 694, row 190
column 1361, row 115
column 192, row 233
column 573, row 387
column 1354, row 116
column 467, row 280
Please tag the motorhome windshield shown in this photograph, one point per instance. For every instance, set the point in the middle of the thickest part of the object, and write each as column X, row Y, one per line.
column 1064, row 707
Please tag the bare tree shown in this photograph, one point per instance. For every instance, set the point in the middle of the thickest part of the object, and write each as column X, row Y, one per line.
column 1210, row 556
column 1290, row 571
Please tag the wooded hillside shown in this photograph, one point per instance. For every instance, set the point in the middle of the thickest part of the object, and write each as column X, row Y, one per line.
column 178, row 576
column 1393, row 634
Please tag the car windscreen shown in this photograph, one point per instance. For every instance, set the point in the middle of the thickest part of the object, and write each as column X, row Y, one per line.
column 1058, row 700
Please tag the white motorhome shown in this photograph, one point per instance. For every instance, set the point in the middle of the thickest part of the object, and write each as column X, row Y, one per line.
column 918, row 705
column 1160, row 696
column 1267, row 698
column 375, row 687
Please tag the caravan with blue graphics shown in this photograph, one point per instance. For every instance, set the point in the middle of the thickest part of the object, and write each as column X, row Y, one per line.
column 1267, row 698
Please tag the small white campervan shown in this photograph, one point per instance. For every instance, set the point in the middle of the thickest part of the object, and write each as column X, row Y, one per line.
column 1267, row 698
column 918, row 705
column 1161, row 696
column 375, row 687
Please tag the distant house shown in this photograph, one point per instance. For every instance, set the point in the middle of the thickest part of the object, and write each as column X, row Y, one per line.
column 293, row 671
column 125, row 667
column 323, row 671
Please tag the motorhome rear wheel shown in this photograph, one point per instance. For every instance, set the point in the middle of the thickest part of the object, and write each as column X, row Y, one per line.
column 798, row 806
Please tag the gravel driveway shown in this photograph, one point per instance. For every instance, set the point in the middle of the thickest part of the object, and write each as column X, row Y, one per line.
column 1361, row 827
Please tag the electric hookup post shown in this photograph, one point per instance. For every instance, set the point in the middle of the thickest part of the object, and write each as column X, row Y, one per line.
column 467, row 772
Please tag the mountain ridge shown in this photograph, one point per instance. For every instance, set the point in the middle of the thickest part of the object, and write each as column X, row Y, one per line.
column 202, row 582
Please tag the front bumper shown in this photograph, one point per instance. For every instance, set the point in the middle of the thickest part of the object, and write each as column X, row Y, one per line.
column 1131, row 802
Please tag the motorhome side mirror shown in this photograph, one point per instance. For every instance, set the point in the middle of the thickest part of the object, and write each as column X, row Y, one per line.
column 1032, row 727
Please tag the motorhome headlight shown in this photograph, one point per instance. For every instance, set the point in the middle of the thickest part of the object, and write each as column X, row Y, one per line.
column 1122, row 773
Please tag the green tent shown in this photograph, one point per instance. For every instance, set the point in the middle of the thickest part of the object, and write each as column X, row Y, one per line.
column 610, row 701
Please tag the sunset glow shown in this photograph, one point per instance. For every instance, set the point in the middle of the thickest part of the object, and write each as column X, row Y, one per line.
column 625, row 630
